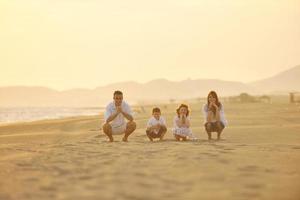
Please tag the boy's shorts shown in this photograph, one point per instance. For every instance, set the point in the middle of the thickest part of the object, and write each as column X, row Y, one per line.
column 154, row 135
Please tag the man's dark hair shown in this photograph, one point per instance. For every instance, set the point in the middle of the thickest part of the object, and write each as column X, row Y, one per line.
column 155, row 110
column 118, row 92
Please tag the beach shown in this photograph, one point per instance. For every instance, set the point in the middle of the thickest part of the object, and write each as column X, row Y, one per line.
column 258, row 157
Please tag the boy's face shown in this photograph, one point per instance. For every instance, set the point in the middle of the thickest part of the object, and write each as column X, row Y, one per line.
column 156, row 115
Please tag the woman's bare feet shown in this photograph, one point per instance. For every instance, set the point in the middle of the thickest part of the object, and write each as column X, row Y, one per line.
column 125, row 139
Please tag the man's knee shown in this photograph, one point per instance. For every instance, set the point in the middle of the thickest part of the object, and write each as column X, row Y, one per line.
column 106, row 127
column 131, row 125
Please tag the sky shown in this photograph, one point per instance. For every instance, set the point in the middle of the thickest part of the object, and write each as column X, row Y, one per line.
column 64, row 44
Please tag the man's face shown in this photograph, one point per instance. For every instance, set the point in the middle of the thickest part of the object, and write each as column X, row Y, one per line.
column 118, row 98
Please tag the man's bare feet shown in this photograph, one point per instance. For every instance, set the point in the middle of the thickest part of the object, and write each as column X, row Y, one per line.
column 111, row 139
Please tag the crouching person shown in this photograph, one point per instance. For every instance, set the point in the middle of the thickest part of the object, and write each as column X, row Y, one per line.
column 156, row 126
column 115, row 114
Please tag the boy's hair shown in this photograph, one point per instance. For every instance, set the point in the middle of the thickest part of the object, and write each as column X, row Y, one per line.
column 156, row 109
column 118, row 92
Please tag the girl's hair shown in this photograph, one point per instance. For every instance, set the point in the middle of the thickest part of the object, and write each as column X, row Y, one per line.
column 185, row 106
column 214, row 94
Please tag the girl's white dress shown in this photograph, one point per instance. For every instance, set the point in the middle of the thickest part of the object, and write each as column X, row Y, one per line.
column 182, row 131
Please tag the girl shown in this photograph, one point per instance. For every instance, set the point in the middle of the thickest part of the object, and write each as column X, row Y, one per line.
column 214, row 115
column 181, row 128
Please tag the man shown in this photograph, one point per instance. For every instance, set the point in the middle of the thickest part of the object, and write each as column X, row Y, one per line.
column 115, row 115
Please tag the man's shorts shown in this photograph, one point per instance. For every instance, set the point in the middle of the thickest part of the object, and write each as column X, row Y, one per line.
column 118, row 130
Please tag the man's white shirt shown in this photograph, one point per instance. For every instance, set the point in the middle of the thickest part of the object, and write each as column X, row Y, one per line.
column 120, row 119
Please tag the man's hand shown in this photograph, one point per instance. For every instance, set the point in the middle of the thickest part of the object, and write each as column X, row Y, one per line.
column 119, row 109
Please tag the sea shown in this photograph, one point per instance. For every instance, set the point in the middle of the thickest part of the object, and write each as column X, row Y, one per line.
column 28, row 114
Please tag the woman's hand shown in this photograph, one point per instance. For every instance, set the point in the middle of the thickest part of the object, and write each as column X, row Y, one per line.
column 215, row 105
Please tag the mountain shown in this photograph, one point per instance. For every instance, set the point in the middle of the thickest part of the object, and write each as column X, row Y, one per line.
column 159, row 89
column 285, row 81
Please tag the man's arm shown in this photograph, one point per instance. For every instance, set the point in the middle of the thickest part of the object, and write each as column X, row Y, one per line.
column 112, row 117
column 127, row 116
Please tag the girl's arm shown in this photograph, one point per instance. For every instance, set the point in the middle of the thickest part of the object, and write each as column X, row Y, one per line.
column 187, row 122
column 184, row 122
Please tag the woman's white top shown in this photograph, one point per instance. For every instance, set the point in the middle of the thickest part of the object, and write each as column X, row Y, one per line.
column 221, row 111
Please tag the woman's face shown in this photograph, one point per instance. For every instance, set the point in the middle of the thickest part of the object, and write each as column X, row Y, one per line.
column 211, row 99
column 183, row 111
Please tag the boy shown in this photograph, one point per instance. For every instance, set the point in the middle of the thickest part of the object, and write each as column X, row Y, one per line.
column 156, row 126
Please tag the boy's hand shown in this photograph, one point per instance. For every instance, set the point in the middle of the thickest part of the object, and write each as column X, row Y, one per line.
column 157, row 126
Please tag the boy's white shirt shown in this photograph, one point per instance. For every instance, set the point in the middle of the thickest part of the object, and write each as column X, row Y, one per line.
column 120, row 119
column 152, row 121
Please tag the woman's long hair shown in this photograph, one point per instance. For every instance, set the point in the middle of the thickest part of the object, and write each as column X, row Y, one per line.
column 185, row 106
column 214, row 94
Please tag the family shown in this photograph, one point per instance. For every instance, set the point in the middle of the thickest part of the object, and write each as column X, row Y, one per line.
column 119, row 120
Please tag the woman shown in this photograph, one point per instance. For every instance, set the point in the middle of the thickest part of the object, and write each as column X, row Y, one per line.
column 214, row 115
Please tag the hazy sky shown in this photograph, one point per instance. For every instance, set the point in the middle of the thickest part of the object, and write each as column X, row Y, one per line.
column 88, row 43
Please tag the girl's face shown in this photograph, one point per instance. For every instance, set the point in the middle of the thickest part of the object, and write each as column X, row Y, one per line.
column 183, row 111
column 211, row 99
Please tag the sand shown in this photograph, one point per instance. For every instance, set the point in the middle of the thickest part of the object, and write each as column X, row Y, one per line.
column 258, row 158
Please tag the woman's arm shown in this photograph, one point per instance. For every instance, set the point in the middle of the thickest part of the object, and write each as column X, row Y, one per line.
column 218, row 118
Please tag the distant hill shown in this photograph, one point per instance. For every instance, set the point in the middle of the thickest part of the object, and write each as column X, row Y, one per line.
column 286, row 81
column 159, row 89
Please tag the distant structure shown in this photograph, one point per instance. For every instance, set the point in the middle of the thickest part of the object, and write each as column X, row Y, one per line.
column 244, row 97
column 247, row 98
column 293, row 97
column 265, row 99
